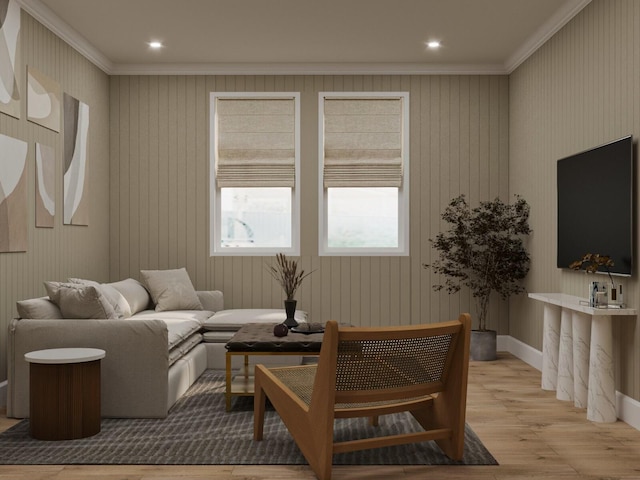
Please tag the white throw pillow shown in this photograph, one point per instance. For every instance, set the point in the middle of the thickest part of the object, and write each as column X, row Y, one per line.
column 135, row 294
column 171, row 289
column 76, row 300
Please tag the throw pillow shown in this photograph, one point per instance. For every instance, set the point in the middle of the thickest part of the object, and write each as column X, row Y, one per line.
column 115, row 298
column 136, row 295
column 76, row 300
column 38, row 308
column 171, row 289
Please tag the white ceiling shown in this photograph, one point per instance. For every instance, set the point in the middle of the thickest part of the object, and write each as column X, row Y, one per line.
column 305, row 36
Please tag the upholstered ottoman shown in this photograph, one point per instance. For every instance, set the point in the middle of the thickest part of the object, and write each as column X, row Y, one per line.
column 219, row 329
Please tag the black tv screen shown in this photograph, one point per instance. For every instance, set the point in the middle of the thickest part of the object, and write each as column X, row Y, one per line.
column 596, row 205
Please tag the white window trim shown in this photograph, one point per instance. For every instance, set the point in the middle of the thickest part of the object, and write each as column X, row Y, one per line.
column 403, row 193
column 214, row 191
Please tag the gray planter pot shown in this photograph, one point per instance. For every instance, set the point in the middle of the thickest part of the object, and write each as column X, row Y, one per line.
column 483, row 345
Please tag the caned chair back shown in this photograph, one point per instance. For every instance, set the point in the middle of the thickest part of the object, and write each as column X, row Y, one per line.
column 405, row 363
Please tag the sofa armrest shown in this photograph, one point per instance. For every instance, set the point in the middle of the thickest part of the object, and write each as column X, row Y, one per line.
column 133, row 373
column 211, row 300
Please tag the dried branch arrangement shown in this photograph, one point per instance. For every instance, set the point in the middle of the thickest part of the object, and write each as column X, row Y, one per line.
column 592, row 262
column 285, row 272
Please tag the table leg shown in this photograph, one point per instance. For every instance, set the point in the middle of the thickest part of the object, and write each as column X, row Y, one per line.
column 550, row 346
column 228, row 378
column 601, row 406
column 565, row 358
column 581, row 340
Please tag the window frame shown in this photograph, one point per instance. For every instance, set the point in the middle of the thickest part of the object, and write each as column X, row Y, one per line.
column 403, row 192
column 215, row 213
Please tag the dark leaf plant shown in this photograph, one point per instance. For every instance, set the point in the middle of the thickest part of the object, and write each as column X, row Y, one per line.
column 483, row 250
column 285, row 272
column 592, row 262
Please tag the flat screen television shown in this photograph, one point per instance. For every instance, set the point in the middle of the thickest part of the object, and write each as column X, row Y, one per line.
column 596, row 205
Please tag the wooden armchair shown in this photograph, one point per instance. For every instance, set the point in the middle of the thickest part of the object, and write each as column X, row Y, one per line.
column 367, row 372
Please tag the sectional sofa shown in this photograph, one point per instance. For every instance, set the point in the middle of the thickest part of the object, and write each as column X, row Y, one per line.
column 159, row 336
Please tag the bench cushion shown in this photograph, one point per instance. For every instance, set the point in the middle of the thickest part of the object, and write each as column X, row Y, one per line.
column 233, row 319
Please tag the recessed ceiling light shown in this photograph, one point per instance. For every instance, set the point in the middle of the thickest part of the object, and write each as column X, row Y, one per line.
column 434, row 44
column 155, row 45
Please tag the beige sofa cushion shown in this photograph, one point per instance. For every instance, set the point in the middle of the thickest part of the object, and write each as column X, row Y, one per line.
column 76, row 300
column 40, row 308
column 233, row 319
column 171, row 289
column 134, row 293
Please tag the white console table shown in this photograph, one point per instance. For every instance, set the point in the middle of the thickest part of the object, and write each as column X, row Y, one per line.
column 577, row 353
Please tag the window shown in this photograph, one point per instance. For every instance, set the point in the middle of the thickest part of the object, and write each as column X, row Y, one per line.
column 364, row 172
column 254, row 158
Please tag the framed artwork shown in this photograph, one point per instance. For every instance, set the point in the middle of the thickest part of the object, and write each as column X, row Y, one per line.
column 9, row 57
column 45, row 186
column 76, row 133
column 43, row 100
column 13, row 194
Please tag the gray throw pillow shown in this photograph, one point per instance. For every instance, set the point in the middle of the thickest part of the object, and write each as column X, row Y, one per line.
column 38, row 308
column 171, row 289
column 76, row 300
column 115, row 298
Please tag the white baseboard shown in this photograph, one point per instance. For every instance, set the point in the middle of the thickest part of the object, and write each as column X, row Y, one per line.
column 627, row 409
column 521, row 350
column 3, row 393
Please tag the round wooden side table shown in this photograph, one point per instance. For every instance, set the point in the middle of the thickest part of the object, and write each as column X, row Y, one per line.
column 64, row 398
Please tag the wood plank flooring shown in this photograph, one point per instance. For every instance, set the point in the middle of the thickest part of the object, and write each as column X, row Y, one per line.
column 531, row 434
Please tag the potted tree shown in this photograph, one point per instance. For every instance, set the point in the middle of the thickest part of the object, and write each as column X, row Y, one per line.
column 484, row 251
column 286, row 273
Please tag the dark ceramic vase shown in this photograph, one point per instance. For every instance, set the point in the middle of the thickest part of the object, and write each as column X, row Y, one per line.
column 290, row 308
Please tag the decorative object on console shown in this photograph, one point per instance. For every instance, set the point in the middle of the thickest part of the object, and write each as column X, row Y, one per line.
column 598, row 291
column 285, row 272
column 76, row 135
column 13, row 194
column 484, row 251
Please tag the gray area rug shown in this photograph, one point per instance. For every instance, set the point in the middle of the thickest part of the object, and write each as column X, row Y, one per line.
column 198, row 431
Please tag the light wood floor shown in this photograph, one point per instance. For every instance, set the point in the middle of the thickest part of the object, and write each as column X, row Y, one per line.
column 530, row 433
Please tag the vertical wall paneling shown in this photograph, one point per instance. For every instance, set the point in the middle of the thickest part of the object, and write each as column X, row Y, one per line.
column 159, row 190
column 65, row 250
column 579, row 90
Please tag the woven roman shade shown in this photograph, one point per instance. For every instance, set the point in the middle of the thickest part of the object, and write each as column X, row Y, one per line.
column 255, row 142
column 363, row 142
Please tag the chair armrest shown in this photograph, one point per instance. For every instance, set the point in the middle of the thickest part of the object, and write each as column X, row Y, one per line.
column 133, row 373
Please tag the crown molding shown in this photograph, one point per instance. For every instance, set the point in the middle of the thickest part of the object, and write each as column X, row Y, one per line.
column 305, row 69
column 544, row 33
column 49, row 19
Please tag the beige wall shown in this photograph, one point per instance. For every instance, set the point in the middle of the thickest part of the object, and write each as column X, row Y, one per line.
column 64, row 250
column 159, row 190
column 581, row 89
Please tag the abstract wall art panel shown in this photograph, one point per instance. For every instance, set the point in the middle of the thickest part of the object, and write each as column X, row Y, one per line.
column 76, row 133
column 9, row 57
column 45, row 185
column 43, row 100
column 13, row 194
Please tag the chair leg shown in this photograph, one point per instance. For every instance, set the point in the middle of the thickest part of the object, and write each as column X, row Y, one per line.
column 259, row 404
